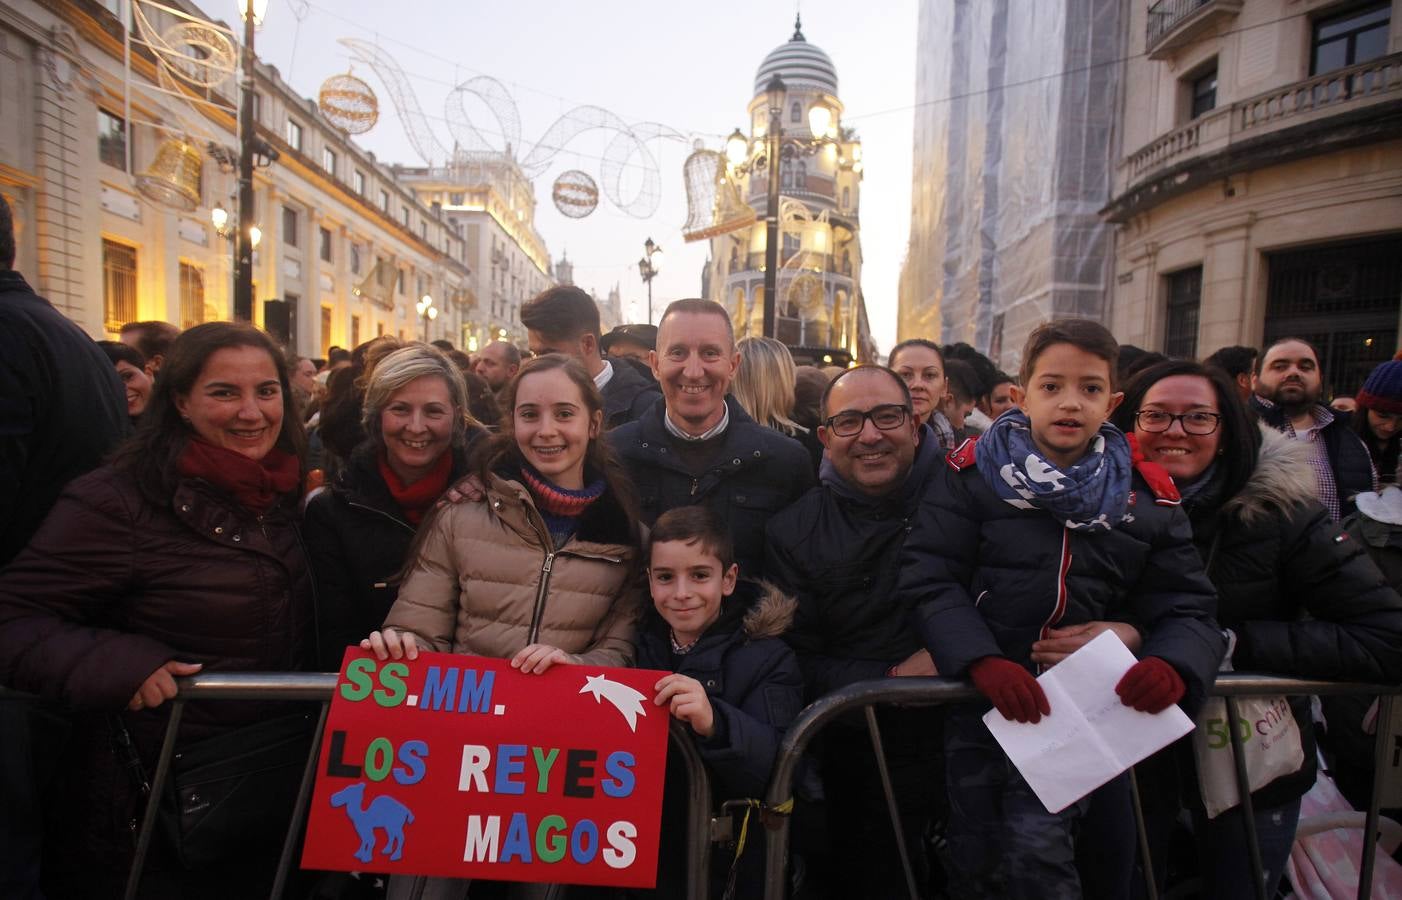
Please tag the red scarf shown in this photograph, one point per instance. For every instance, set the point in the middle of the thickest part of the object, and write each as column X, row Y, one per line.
column 416, row 499
column 256, row 484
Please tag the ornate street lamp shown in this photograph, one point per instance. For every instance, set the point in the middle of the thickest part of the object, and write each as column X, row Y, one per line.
column 744, row 157
column 427, row 311
column 648, row 267
column 774, row 93
column 252, row 12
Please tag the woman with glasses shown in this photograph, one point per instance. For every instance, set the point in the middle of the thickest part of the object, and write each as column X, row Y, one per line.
column 1296, row 597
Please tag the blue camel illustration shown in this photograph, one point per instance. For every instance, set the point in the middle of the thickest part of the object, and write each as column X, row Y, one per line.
column 384, row 812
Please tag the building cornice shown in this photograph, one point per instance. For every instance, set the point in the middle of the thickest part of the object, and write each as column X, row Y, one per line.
column 1355, row 128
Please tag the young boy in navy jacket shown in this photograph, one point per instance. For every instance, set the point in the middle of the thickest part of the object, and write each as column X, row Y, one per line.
column 1044, row 524
column 735, row 684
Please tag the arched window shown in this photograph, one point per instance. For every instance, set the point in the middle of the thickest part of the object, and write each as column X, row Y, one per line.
column 846, row 198
column 796, row 112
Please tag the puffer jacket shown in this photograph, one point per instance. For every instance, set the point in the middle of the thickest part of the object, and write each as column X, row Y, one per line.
column 358, row 540
column 837, row 550
column 986, row 578
column 1303, row 598
column 757, row 472
column 110, row 588
column 487, row 580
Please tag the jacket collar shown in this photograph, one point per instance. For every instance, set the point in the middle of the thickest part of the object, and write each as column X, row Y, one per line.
column 604, row 529
column 757, row 610
column 1281, row 480
column 11, row 280
column 622, row 388
column 360, row 481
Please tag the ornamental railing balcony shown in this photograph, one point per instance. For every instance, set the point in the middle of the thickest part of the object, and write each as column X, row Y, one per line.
column 1176, row 23
column 1333, row 93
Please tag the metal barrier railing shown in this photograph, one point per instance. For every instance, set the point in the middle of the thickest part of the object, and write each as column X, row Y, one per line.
column 909, row 692
column 319, row 687
column 940, row 691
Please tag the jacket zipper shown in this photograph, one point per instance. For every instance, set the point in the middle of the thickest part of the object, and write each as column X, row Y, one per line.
column 380, row 512
column 541, row 591
column 1062, row 594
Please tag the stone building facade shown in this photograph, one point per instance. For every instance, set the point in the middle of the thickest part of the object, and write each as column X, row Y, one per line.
column 347, row 248
column 1193, row 173
column 1260, row 191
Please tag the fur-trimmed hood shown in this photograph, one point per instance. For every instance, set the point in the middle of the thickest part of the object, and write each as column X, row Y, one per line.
column 1282, row 479
column 771, row 614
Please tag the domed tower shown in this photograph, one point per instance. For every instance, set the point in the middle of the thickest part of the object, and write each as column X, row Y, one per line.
column 820, row 312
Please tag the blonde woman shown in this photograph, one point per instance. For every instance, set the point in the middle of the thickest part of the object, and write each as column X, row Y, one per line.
column 764, row 386
column 359, row 531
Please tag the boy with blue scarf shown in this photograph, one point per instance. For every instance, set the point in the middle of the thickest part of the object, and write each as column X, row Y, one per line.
column 1049, row 522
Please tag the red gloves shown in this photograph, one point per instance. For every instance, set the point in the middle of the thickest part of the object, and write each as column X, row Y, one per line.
column 1013, row 690
column 1151, row 685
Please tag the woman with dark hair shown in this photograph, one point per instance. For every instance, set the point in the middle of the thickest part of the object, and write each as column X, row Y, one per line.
column 1378, row 419
column 920, row 363
column 1295, row 599
column 135, row 374
column 181, row 555
column 359, row 530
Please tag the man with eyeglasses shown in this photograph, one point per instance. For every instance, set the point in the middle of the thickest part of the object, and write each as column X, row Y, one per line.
column 837, row 550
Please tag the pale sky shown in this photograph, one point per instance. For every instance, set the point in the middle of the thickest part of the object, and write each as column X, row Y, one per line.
column 690, row 67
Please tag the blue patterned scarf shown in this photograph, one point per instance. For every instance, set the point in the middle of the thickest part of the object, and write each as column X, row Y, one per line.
column 1093, row 495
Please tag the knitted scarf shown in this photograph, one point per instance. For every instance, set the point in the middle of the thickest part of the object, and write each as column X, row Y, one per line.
column 560, row 507
column 1092, row 495
column 257, row 485
column 415, row 500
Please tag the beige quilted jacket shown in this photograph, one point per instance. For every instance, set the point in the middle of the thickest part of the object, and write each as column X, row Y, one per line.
column 486, row 581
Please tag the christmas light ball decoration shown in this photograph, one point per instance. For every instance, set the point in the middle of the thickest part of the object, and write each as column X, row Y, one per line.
column 576, row 195
column 349, row 104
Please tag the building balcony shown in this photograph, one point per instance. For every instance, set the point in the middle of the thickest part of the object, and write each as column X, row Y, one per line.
column 1353, row 105
column 1174, row 24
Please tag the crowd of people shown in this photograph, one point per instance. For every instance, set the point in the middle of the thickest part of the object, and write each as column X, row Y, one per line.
column 672, row 498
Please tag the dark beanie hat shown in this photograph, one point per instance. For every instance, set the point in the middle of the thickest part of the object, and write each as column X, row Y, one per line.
column 1383, row 389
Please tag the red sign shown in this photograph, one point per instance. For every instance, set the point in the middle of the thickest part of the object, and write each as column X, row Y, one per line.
column 461, row 766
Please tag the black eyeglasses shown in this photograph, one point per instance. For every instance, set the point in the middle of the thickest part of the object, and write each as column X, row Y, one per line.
column 850, row 422
column 1155, row 421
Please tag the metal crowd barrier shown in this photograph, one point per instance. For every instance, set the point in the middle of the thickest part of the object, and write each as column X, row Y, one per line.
column 319, row 687
column 866, row 695
column 909, row 692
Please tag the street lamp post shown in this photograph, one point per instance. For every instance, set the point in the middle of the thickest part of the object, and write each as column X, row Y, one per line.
column 648, row 267
column 252, row 12
column 773, row 137
column 427, row 311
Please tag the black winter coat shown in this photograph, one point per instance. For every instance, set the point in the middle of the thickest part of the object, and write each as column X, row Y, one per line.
column 1349, row 458
column 358, row 539
column 62, row 408
column 1303, row 598
column 838, row 552
column 757, row 472
column 110, row 588
column 986, row 578
column 628, row 395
